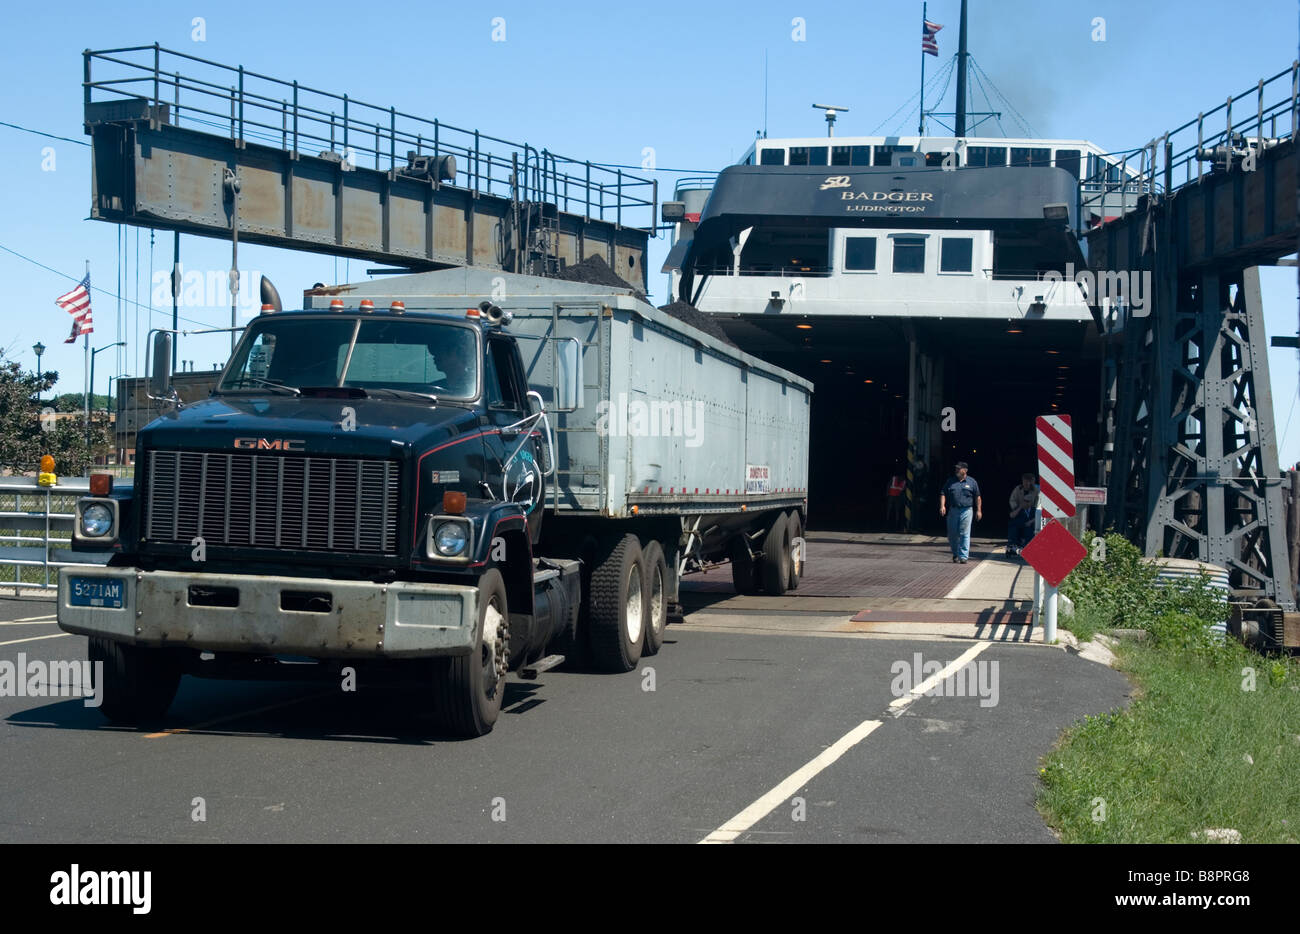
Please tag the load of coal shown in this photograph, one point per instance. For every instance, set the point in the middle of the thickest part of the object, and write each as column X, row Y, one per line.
column 595, row 271
column 688, row 313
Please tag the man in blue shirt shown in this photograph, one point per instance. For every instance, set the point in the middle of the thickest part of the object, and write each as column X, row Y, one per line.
column 958, row 499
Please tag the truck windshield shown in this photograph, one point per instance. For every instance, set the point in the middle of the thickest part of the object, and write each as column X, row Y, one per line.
column 415, row 356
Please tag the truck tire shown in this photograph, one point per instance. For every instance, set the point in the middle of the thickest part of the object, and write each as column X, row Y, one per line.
column 744, row 569
column 468, row 688
column 139, row 684
column 656, row 597
column 776, row 557
column 796, row 551
column 617, row 616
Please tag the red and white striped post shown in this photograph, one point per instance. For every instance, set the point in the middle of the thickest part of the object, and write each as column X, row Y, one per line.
column 1056, row 498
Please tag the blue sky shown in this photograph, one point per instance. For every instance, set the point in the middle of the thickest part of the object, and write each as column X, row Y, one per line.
column 594, row 81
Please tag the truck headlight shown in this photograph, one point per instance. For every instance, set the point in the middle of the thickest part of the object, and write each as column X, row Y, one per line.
column 450, row 539
column 96, row 520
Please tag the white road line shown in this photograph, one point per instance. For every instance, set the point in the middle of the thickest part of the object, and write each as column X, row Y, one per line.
column 899, row 704
column 967, row 582
column 764, row 806
column 32, row 619
column 57, row 635
column 33, row 622
column 747, row 818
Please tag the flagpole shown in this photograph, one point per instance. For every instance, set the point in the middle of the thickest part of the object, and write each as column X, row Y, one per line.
column 920, row 125
column 86, row 372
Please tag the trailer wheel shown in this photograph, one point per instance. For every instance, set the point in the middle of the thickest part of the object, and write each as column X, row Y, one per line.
column 796, row 551
column 618, row 603
column 468, row 688
column 656, row 597
column 744, row 569
column 776, row 556
column 138, row 684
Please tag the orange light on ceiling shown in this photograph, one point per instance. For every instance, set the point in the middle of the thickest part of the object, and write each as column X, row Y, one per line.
column 804, row 327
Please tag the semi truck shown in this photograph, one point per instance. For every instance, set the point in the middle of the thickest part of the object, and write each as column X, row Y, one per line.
column 438, row 478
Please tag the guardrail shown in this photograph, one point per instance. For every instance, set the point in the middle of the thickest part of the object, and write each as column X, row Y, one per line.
column 36, row 532
column 1159, row 161
column 248, row 106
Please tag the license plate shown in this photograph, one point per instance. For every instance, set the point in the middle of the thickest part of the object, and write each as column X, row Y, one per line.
column 95, row 591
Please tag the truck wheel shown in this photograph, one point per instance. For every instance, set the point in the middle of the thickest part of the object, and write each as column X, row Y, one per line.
column 776, row 557
column 656, row 597
column 618, row 607
column 139, row 684
column 468, row 688
column 744, row 569
column 796, row 552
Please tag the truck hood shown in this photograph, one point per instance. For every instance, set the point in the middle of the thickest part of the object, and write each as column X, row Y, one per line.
column 309, row 426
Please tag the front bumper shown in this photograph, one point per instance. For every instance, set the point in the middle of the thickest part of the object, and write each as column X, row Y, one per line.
column 359, row 619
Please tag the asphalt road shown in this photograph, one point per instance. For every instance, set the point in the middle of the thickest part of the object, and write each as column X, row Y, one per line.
column 574, row 757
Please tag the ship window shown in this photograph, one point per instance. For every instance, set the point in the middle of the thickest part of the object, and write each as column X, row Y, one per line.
column 861, row 155
column 860, row 254
column 775, row 251
column 885, row 154
column 841, row 155
column 909, row 254
column 1023, row 155
column 1068, row 159
column 772, row 157
column 955, row 254
column 986, row 155
column 807, row 155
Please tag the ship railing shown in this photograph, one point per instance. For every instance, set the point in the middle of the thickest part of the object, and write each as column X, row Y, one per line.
column 791, row 272
column 187, row 91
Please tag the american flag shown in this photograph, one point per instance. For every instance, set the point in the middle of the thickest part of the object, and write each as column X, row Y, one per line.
column 929, row 39
column 77, row 304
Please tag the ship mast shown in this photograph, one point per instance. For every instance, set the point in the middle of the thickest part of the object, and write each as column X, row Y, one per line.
column 960, row 125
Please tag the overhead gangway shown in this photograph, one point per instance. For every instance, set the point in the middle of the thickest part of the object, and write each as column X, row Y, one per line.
column 185, row 144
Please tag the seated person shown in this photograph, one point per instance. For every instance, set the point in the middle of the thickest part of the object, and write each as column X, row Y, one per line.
column 453, row 355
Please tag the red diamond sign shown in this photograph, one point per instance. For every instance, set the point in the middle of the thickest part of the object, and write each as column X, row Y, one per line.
column 1054, row 553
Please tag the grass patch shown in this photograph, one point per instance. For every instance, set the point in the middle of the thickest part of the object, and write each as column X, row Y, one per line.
column 1196, row 750
column 1212, row 739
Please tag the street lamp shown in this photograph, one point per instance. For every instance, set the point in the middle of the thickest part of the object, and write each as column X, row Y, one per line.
column 38, row 348
column 90, row 393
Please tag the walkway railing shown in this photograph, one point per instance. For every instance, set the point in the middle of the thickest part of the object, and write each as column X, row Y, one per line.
column 1215, row 141
column 36, row 532
column 247, row 106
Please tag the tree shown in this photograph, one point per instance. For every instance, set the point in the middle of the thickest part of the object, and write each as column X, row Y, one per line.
column 25, row 436
column 76, row 402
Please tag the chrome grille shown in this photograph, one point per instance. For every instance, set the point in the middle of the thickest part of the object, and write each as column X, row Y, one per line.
column 273, row 501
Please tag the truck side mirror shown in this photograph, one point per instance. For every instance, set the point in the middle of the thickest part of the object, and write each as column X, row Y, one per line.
column 160, row 380
column 568, row 374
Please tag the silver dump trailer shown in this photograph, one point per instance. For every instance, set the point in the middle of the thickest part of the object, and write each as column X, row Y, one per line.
column 672, row 434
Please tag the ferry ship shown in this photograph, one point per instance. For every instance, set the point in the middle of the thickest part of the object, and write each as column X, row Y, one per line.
column 930, row 289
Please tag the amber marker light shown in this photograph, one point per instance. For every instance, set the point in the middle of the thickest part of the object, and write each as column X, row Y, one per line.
column 101, row 484
column 453, row 503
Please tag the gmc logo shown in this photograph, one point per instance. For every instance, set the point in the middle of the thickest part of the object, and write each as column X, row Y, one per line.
column 271, row 444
